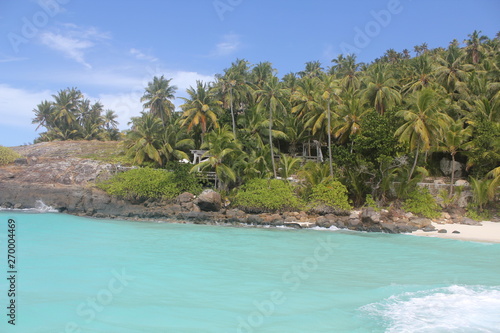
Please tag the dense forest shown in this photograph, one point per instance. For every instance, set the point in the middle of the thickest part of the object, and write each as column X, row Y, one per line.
column 376, row 128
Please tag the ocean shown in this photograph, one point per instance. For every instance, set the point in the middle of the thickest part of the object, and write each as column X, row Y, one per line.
column 75, row 274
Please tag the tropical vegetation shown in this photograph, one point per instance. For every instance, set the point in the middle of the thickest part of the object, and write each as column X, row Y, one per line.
column 375, row 128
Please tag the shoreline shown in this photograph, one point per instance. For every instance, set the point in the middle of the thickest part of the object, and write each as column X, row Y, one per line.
column 485, row 232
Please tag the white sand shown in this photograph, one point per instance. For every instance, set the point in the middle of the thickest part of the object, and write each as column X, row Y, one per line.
column 486, row 232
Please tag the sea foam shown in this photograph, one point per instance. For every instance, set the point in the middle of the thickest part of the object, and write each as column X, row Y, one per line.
column 449, row 309
column 40, row 207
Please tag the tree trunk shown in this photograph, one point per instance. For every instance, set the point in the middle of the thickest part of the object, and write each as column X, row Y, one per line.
column 452, row 174
column 414, row 164
column 232, row 112
column 271, row 141
column 329, row 140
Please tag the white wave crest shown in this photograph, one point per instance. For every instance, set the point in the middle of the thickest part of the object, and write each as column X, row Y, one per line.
column 450, row 309
column 40, row 207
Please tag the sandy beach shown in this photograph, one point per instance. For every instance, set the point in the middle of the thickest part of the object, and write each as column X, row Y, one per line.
column 486, row 232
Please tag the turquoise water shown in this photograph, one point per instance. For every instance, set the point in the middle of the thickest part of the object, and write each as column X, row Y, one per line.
column 85, row 275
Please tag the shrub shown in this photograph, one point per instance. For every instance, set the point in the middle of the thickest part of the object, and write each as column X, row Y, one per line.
column 262, row 195
column 7, row 155
column 331, row 193
column 421, row 202
column 146, row 183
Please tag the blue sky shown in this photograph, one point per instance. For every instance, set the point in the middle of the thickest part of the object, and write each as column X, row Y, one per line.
column 111, row 49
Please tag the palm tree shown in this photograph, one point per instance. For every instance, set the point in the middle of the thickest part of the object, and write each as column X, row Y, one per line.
column 380, row 89
column 44, row 115
column 347, row 70
column 65, row 107
column 474, row 48
column 313, row 69
column 288, row 165
column 454, row 139
column 174, row 142
column 331, row 90
column 451, row 72
column 200, row 109
column 423, row 121
column 262, row 73
column 158, row 98
column 420, row 75
column 234, row 88
column 144, row 140
column 271, row 98
column 350, row 113
column 222, row 148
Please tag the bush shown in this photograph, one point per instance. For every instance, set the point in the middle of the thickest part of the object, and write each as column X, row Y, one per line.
column 262, row 195
column 421, row 202
column 331, row 193
column 7, row 155
column 146, row 183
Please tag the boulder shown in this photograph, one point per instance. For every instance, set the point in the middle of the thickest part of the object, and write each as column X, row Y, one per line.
column 370, row 216
column 209, row 201
column 184, row 198
column 447, row 166
column 442, row 231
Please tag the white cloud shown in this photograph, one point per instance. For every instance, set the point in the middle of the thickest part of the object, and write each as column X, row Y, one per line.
column 73, row 41
column 16, row 105
column 71, row 47
column 230, row 43
column 142, row 56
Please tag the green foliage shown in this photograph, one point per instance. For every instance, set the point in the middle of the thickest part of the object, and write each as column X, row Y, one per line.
column 7, row 155
column 421, row 202
column 146, row 183
column 369, row 202
column 331, row 193
column 263, row 195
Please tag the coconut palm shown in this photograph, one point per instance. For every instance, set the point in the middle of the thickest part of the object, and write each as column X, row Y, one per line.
column 65, row 107
column 380, row 91
column 158, row 98
column 453, row 140
column 43, row 114
column 313, row 69
column 174, row 143
column 348, row 123
column 271, row 98
column 474, row 48
column 451, row 72
column 233, row 88
column 144, row 140
column 200, row 108
column 347, row 70
column 222, row 149
column 423, row 120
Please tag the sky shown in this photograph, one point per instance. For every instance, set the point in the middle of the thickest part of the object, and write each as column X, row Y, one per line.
column 111, row 49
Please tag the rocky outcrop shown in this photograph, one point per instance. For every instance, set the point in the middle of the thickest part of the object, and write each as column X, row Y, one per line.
column 209, row 201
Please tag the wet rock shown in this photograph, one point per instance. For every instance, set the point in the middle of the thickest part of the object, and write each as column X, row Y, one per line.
column 429, row 228
column 442, row 231
column 455, row 232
